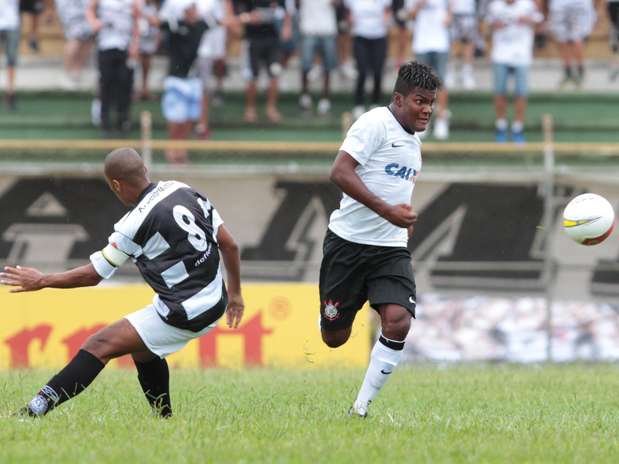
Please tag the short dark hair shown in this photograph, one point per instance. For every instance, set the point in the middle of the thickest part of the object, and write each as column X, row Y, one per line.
column 416, row 75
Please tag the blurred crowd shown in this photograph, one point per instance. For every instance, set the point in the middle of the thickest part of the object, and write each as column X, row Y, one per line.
column 350, row 37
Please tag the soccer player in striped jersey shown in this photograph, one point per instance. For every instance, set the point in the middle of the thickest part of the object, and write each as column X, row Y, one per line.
column 175, row 236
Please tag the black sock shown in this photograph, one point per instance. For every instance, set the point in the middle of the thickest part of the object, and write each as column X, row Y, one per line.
column 568, row 72
column 69, row 382
column 154, row 377
column 581, row 71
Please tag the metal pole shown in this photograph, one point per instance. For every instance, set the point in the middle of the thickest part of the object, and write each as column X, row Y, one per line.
column 549, row 185
column 146, row 124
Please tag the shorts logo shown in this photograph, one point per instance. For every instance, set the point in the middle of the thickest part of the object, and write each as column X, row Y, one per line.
column 331, row 310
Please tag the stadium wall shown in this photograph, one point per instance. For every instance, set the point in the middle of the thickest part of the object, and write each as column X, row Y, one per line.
column 491, row 278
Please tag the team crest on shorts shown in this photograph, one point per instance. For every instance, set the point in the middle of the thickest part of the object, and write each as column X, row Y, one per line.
column 331, row 310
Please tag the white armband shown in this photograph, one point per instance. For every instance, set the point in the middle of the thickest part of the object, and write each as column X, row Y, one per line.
column 114, row 256
column 102, row 265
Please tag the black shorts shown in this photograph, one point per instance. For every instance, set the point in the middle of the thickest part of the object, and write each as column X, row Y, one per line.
column 264, row 52
column 352, row 273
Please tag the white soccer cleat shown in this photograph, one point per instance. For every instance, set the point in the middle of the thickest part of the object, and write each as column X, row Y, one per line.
column 358, row 410
column 324, row 106
column 305, row 102
column 37, row 406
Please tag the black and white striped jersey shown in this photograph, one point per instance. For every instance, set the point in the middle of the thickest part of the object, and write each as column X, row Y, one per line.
column 171, row 235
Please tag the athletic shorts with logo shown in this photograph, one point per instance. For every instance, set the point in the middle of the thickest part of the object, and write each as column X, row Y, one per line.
column 353, row 273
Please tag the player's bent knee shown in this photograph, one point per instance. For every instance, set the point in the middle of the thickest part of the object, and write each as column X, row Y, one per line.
column 334, row 339
column 397, row 326
column 99, row 346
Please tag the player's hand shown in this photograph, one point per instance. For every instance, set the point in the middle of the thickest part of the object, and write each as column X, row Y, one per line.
column 25, row 279
column 234, row 311
column 401, row 215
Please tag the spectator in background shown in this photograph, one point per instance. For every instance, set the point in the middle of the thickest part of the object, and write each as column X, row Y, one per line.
column 182, row 98
column 32, row 8
column 571, row 21
column 264, row 46
column 344, row 42
column 401, row 35
column 318, row 36
column 289, row 45
column 612, row 10
column 212, row 57
column 431, row 47
column 79, row 39
column 149, row 42
column 513, row 29
column 369, row 20
column 9, row 38
column 464, row 34
column 116, row 23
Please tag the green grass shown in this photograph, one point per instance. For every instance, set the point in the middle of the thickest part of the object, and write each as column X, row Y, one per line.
column 425, row 414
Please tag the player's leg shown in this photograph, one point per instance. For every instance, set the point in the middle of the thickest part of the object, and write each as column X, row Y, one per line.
column 385, row 356
column 113, row 341
column 271, row 54
column 341, row 287
column 500, row 101
column 251, row 90
column 378, row 55
column 154, row 378
column 392, row 293
column 360, row 50
column 205, row 73
column 161, row 340
column 520, row 103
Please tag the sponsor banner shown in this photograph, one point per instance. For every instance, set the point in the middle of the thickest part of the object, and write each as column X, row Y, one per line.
column 279, row 328
column 490, row 328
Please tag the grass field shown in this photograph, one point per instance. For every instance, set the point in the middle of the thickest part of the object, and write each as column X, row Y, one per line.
column 425, row 414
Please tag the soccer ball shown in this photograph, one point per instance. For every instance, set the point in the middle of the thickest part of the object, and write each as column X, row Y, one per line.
column 588, row 219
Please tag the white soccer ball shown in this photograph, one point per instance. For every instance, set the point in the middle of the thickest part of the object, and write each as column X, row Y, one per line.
column 588, row 219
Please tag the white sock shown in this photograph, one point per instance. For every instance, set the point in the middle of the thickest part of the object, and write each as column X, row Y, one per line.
column 383, row 361
column 501, row 124
column 517, row 126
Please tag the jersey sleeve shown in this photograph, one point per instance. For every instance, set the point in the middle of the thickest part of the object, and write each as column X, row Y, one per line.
column 118, row 250
column 364, row 137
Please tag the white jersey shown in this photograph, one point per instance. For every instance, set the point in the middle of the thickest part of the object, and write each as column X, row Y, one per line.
column 9, row 15
column 513, row 44
column 463, row 7
column 213, row 43
column 117, row 19
column 317, row 17
column 368, row 17
column 431, row 33
column 389, row 162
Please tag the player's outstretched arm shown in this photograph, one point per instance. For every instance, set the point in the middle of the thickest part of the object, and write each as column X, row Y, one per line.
column 343, row 175
column 232, row 262
column 28, row 279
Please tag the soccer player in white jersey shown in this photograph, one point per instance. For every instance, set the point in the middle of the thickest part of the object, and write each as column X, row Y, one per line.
column 365, row 255
column 174, row 235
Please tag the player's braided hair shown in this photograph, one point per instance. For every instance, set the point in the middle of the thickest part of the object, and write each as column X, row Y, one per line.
column 416, row 75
